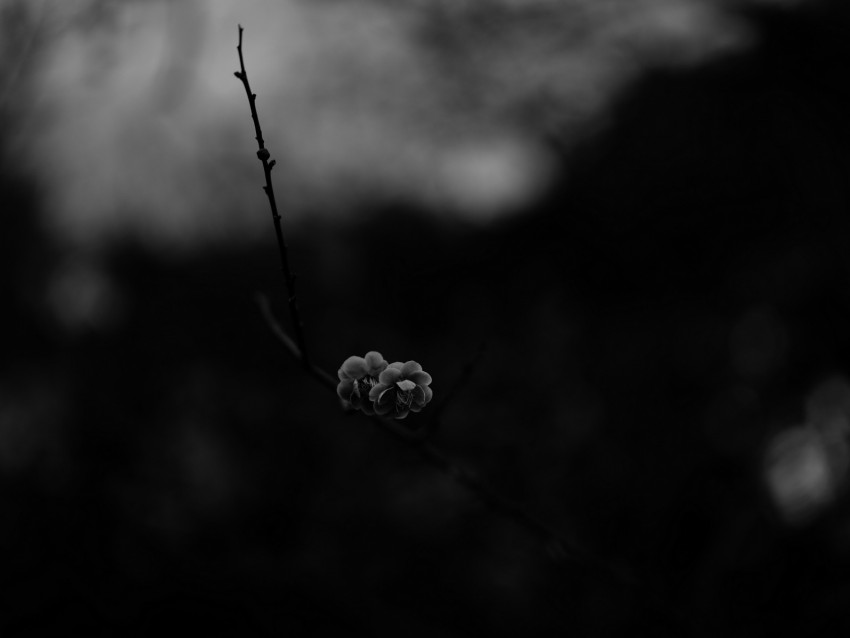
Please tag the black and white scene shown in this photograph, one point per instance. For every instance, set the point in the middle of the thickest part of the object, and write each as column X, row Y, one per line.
column 426, row 318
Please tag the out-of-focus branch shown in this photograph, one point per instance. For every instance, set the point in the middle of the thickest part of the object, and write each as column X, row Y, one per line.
column 317, row 373
column 460, row 383
column 263, row 155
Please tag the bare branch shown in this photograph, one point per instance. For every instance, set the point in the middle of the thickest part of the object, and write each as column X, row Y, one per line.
column 263, row 155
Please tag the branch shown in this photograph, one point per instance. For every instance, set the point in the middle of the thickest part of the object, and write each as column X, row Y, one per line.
column 560, row 547
column 323, row 377
column 263, row 155
column 457, row 386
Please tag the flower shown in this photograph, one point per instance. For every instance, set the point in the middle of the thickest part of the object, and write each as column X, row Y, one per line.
column 357, row 376
column 402, row 388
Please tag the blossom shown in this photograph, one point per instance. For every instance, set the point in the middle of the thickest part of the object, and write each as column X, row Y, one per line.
column 402, row 388
column 357, row 376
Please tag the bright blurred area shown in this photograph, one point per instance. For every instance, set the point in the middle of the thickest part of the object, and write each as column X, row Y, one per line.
column 128, row 117
column 631, row 216
column 806, row 467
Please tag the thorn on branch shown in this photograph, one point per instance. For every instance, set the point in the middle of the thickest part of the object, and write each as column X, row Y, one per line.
column 238, row 74
column 272, row 163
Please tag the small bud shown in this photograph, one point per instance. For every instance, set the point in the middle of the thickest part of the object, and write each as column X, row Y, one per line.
column 263, row 154
column 272, row 163
column 238, row 74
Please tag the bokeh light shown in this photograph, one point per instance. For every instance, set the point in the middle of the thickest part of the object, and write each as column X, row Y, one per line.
column 806, row 467
column 129, row 113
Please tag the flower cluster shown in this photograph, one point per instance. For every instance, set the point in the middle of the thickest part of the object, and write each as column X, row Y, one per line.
column 371, row 384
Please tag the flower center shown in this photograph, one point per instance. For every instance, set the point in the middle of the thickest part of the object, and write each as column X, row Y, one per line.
column 404, row 395
column 363, row 385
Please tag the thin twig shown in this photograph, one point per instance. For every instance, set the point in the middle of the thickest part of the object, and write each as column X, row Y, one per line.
column 263, row 155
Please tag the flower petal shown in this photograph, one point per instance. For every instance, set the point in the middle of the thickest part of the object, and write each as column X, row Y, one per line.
column 341, row 374
column 409, row 368
column 345, row 389
column 390, row 375
column 405, row 385
column 403, row 414
column 354, row 367
column 377, row 390
column 419, row 395
column 386, row 397
column 375, row 363
column 420, row 377
column 383, row 409
column 429, row 394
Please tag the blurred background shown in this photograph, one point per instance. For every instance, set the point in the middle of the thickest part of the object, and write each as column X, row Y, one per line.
column 631, row 215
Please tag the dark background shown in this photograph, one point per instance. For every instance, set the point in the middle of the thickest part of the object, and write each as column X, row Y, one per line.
column 646, row 330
